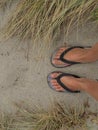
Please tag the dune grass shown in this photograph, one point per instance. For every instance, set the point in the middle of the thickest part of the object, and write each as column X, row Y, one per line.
column 6, row 122
column 95, row 14
column 5, row 3
column 58, row 116
column 47, row 19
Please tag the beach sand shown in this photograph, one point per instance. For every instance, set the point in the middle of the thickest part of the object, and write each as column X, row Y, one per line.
column 24, row 70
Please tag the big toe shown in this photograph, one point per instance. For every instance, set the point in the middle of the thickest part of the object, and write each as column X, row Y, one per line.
column 57, row 62
column 56, row 86
column 54, row 75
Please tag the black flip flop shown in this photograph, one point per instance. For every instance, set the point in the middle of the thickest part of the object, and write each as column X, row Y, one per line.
column 67, row 62
column 60, row 83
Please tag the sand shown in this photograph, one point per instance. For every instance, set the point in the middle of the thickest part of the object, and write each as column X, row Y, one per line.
column 23, row 70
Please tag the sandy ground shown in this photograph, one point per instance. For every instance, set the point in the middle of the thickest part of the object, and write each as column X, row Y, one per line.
column 23, row 70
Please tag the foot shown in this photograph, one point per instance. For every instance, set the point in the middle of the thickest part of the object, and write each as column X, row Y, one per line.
column 84, row 84
column 69, row 81
column 76, row 54
column 91, row 87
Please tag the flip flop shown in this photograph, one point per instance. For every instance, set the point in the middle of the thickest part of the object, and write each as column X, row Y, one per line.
column 65, row 61
column 58, row 78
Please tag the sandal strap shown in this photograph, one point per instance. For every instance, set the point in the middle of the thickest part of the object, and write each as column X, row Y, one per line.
column 63, row 85
column 65, row 52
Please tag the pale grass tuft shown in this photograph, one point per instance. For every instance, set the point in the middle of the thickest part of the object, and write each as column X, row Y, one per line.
column 48, row 19
column 58, row 116
column 6, row 122
column 5, row 3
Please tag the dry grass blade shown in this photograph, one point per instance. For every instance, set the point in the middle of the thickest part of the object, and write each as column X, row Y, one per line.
column 6, row 122
column 57, row 116
column 39, row 119
column 95, row 14
column 46, row 19
column 5, row 3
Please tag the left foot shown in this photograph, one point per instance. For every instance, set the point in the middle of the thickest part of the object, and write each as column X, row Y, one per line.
column 74, row 84
column 71, row 82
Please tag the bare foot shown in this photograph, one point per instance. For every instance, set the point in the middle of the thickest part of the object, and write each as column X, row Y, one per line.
column 90, row 86
column 69, row 81
column 74, row 84
column 76, row 55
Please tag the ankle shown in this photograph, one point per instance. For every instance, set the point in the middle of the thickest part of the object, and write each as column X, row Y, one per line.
column 89, row 55
column 82, row 84
column 87, row 84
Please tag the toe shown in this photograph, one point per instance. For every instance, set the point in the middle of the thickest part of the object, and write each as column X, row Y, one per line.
column 56, row 86
column 57, row 56
column 54, row 75
column 62, row 49
column 59, row 88
column 54, row 82
column 58, row 62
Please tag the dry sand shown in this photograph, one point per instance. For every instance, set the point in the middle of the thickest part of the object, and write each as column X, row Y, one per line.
column 23, row 71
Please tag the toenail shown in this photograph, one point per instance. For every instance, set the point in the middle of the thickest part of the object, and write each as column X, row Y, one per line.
column 52, row 75
column 49, row 78
column 54, row 62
